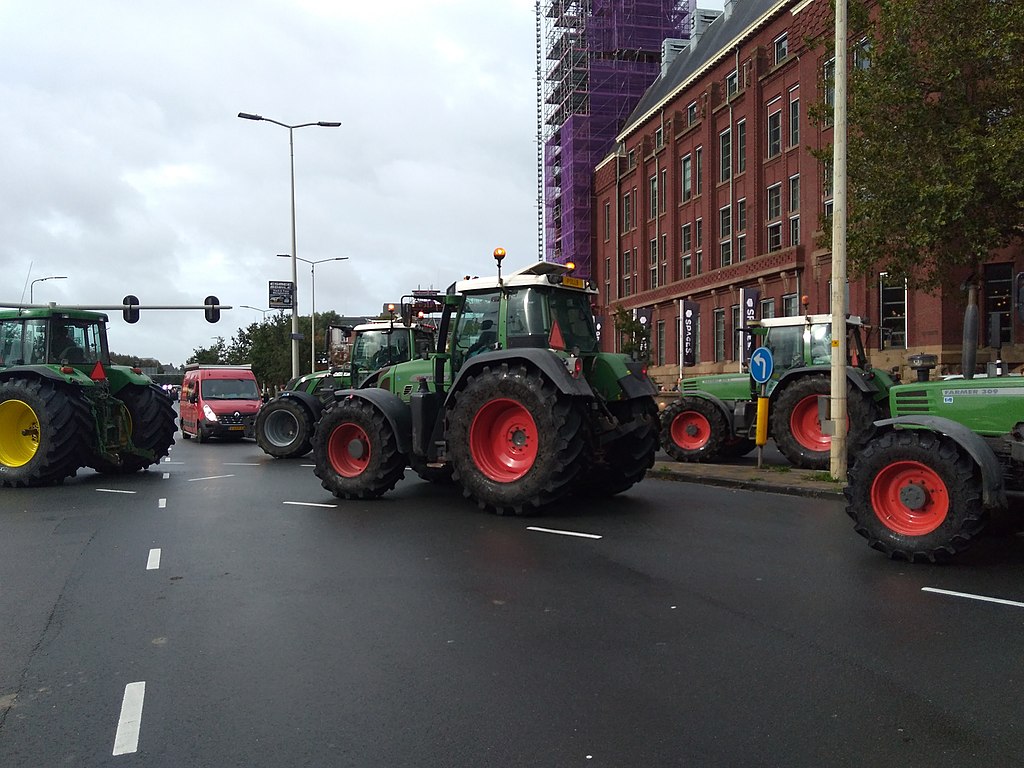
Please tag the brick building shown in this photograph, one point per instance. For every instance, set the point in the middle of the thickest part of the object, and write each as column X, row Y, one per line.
column 713, row 190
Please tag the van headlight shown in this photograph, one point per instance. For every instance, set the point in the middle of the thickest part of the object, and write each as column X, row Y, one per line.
column 208, row 413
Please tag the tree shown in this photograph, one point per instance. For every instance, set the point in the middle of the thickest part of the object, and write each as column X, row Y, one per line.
column 936, row 133
column 633, row 335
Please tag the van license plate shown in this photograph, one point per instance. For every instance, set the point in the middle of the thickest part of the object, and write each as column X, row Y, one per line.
column 235, row 429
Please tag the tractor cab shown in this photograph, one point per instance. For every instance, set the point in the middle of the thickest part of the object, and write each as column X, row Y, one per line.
column 42, row 337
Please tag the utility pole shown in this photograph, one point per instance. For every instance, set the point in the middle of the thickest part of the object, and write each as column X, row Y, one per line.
column 838, row 414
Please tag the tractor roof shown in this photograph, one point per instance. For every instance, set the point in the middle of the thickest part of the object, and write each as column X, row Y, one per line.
column 51, row 310
column 538, row 273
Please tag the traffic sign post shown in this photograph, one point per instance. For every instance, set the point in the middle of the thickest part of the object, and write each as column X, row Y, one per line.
column 762, row 365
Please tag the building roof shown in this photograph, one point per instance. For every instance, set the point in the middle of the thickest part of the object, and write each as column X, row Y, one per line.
column 742, row 18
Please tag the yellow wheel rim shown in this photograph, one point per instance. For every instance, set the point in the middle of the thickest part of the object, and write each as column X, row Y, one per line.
column 19, row 433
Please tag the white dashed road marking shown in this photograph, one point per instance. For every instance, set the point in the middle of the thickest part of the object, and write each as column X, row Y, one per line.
column 153, row 563
column 309, row 504
column 211, row 477
column 126, row 740
column 973, row 597
column 563, row 533
column 112, row 490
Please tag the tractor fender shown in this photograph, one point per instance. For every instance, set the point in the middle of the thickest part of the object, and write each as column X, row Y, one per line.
column 311, row 403
column 391, row 406
column 548, row 363
column 993, row 489
column 46, row 372
column 862, row 384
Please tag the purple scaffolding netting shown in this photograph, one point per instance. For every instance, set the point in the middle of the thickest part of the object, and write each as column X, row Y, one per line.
column 602, row 56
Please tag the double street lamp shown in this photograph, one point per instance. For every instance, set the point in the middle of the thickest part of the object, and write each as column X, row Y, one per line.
column 295, row 278
column 32, row 285
column 264, row 311
column 312, row 301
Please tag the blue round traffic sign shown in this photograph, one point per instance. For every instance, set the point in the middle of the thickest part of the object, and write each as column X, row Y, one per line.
column 761, row 364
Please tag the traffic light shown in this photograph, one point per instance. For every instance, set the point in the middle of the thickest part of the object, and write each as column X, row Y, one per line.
column 131, row 309
column 212, row 309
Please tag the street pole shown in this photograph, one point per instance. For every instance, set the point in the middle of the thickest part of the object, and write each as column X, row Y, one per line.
column 312, row 302
column 838, row 413
column 294, row 255
column 32, row 285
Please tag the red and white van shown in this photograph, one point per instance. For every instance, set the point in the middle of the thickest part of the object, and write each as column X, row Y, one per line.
column 218, row 401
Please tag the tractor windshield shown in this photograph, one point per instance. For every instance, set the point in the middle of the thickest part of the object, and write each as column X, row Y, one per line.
column 75, row 341
column 550, row 318
column 375, row 349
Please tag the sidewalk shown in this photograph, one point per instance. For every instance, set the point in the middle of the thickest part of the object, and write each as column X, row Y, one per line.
column 772, row 477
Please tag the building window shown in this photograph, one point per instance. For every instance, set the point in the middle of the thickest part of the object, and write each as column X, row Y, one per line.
column 686, row 240
column 741, row 247
column 775, row 237
column 892, row 295
column 652, row 196
column 607, row 221
column 741, row 146
column 781, row 48
column 790, row 305
column 862, row 54
column 774, row 201
column 828, row 76
column 725, row 236
column 698, row 156
column 659, row 137
column 794, row 230
column 627, row 273
column 661, row 342
column 719, row 335
column 998, row 293
column 794, row 119
column 627, row 213
column 652, row 262
column 741, row 215
column 725, row 155
column 732, row 84
column 691, row 113
column 686, row 173
column 736, row 336
column 663, row 269
column 775, row 133
column 664, row 185
column 699, row 244
column 631, row 159
column 767, row 308
column 794, row 193
column 827, row 182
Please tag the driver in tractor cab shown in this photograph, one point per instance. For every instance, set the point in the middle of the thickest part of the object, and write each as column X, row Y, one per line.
column 63, row 346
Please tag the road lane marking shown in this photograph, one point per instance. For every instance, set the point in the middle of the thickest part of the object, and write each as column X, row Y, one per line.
column 973, row 597
column 241, row 464
column 161, row 503
column 211, row 477
column 309, row 504
column 153, row 563
column 126, row 740
column 166, row 475
column 563, row 533
column 112, row 490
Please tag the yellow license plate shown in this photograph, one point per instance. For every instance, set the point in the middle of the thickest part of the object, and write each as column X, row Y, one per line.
column 235, row 429
column 574, row 282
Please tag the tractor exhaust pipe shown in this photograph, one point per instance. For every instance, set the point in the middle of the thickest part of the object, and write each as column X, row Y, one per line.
column 969, row 355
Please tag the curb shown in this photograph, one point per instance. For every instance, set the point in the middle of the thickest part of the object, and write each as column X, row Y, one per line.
column 726, row 477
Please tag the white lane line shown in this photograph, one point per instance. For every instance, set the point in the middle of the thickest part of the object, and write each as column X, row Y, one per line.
column 973, row 597
column 309, row 504
column 153, row 563
column 241, row 464
column 174, row 462
column 211, row 477
column 166, row 475
column 112, row 490
column 126, row 740
column 161, row 503
column 563, row 533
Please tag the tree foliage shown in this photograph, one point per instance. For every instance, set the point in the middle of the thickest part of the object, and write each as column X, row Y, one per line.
column 634, row 336
column 936, row 137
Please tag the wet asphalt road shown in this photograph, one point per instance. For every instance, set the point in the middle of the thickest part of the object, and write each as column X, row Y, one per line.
column 676, row 625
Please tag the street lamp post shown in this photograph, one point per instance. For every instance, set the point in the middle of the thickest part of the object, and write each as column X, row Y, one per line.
column 32, row 285
column 312, row 302
column 264, row 311
column 295, row 277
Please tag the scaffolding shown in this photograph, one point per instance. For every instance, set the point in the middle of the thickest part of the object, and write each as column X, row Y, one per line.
column 602, row 56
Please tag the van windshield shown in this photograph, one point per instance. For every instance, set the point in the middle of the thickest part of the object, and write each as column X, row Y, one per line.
column 230, row 389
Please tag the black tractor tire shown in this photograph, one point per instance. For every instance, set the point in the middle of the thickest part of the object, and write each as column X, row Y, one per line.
column 622, row 463
column 796, row 429
column 45, row 432
column 516, row 443
column 694, row 429
column 152, row 424
column 284, row 428
column 438, row 475
column 355, row 451
column 916, row 495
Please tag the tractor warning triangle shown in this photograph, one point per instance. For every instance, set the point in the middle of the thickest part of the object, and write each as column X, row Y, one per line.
column 555, row 340
column 98, row 374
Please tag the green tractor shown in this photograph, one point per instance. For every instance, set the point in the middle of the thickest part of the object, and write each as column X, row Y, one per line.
column 64, row 406
column 925, row 485
column 284, row 425
column 714, row 418
column 517, row 405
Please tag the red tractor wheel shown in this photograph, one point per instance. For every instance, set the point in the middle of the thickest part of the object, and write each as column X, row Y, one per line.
column 355, row 451
column 916, row 495
column 503, row 440
column 693, row 429
column 349, row 449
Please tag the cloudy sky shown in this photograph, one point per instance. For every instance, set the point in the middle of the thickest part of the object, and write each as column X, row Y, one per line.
column 126, row 169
